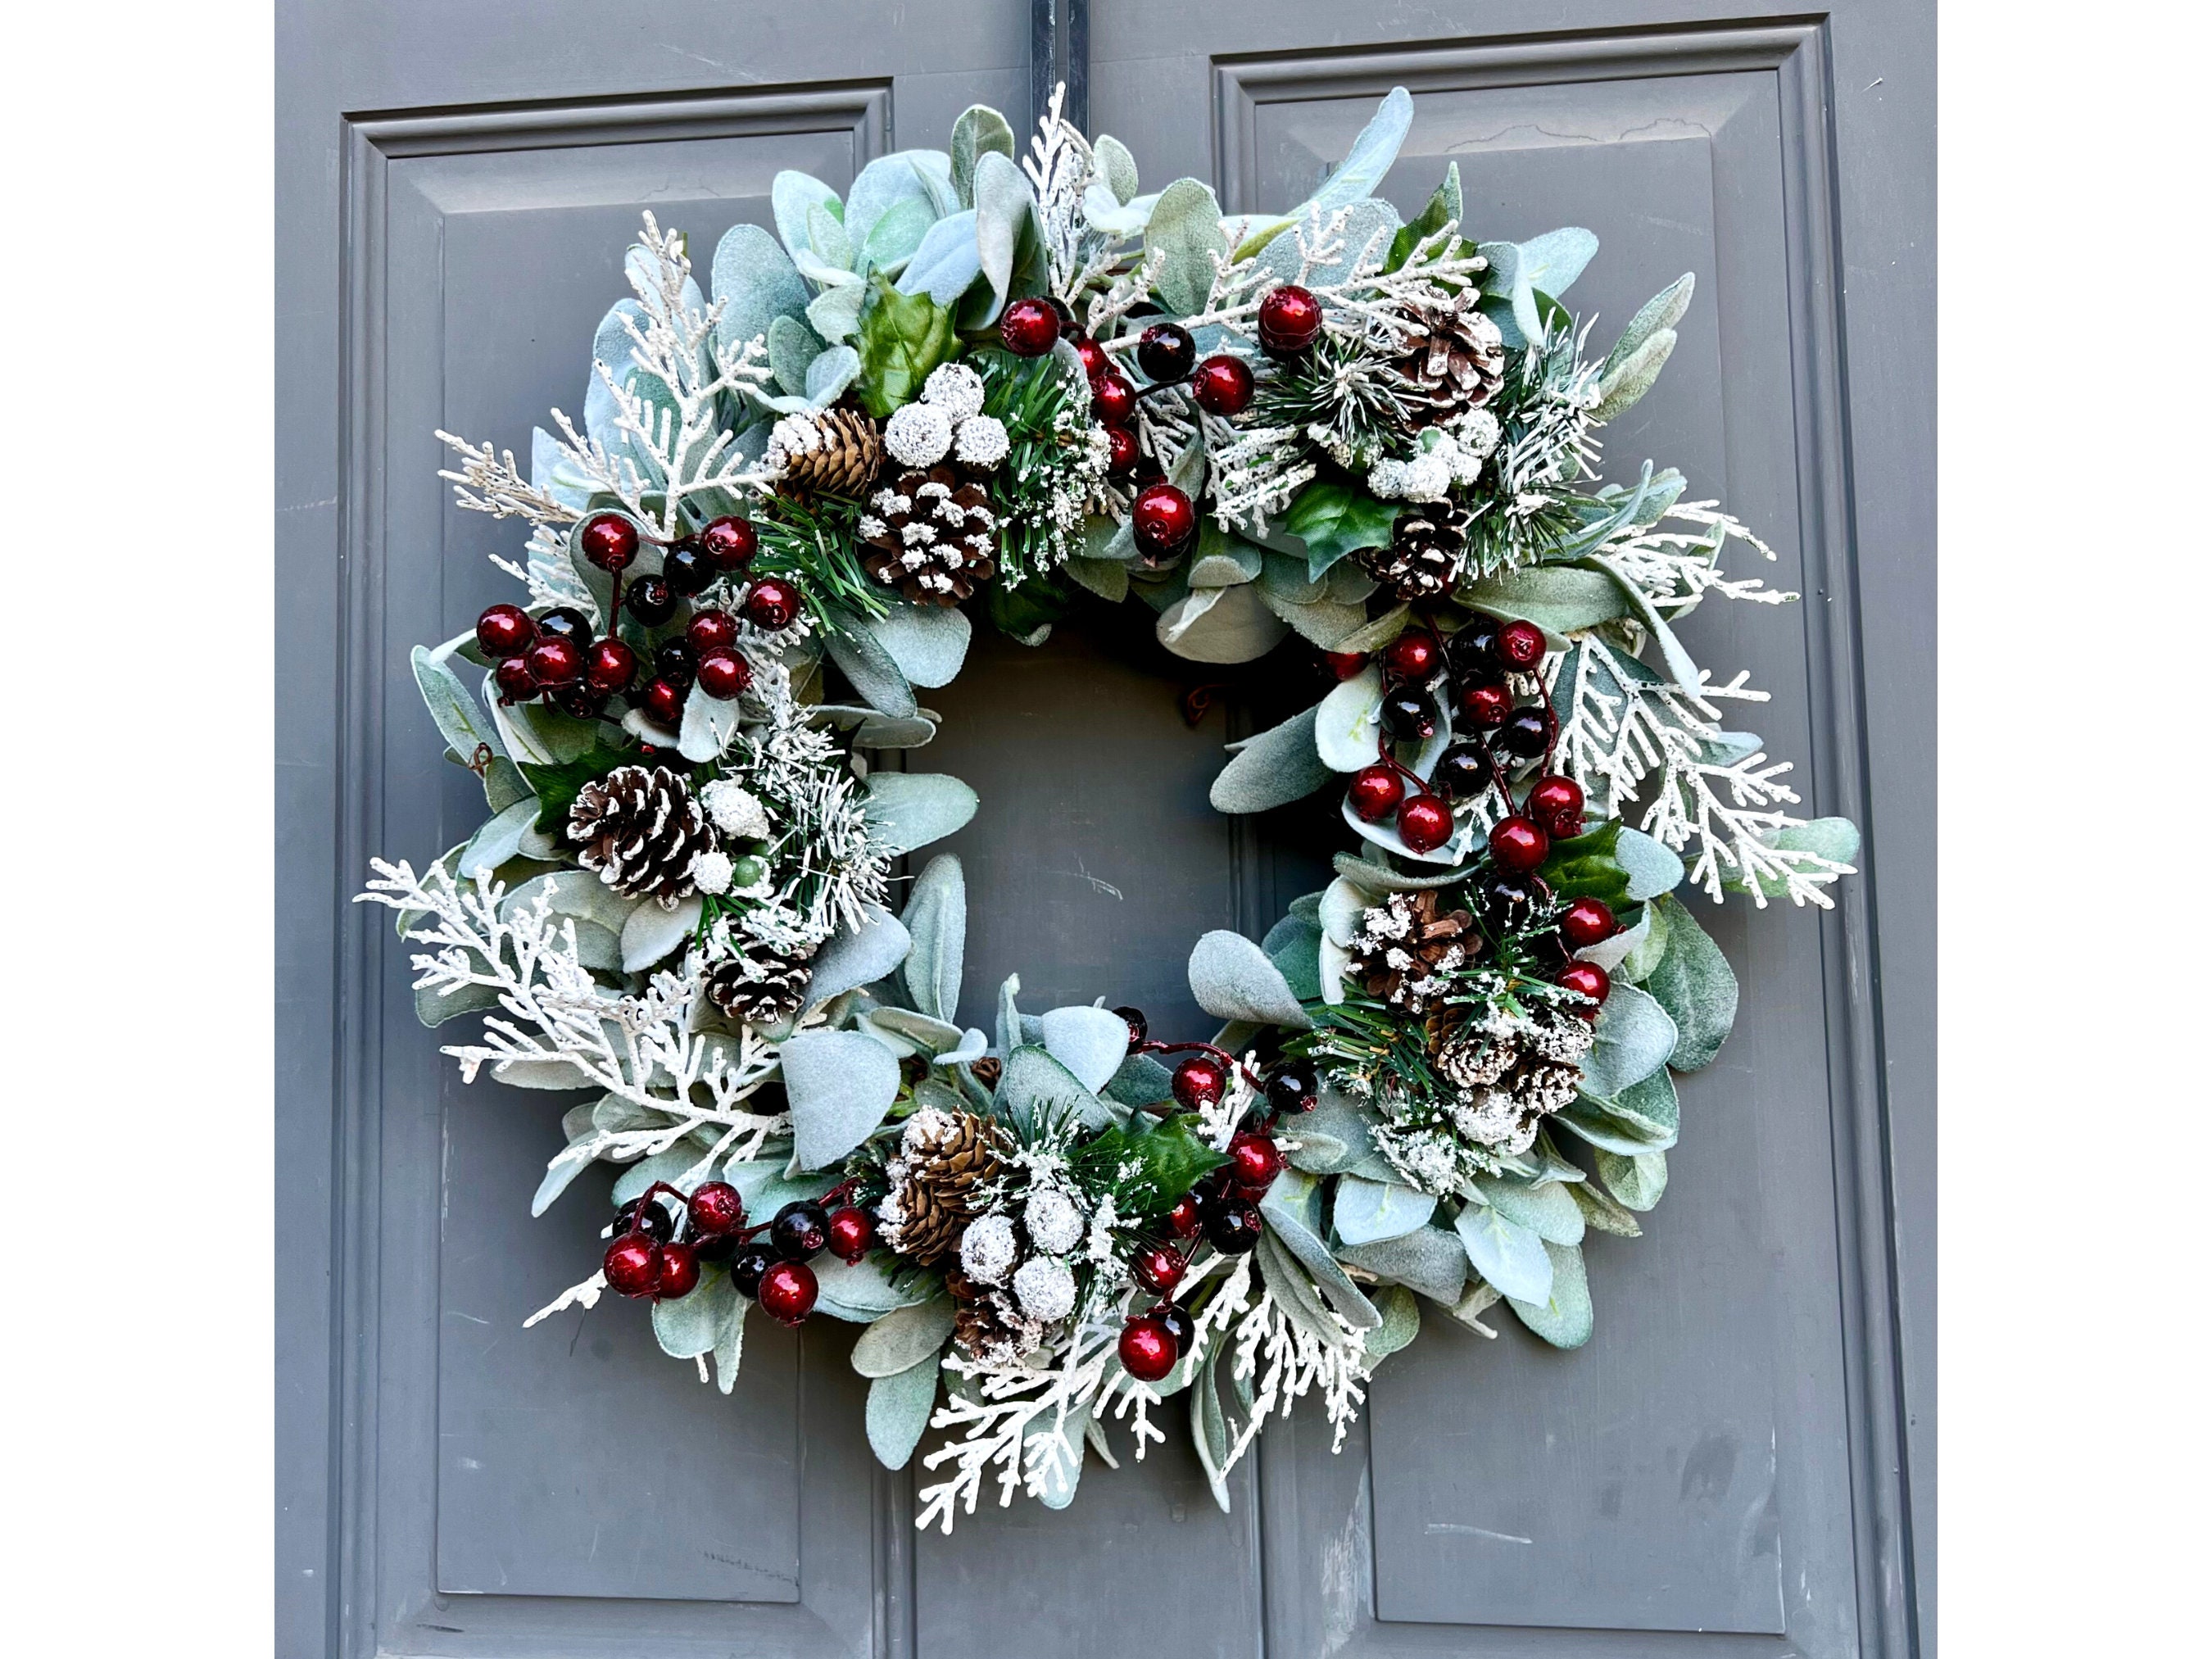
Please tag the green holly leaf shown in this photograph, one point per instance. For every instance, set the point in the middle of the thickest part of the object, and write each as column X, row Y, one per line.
column 1443, row 209
column 1020, row 613
column 1589, row 866
column 902, row 337
column 556, row 786
column 1332, row 519
column 1162, row 1164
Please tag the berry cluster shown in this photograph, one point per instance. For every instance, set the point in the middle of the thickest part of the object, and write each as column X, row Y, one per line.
column 648, row 1258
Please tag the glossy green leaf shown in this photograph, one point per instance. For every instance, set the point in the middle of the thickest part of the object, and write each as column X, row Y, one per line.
column 1334, row 518
column 902, row 337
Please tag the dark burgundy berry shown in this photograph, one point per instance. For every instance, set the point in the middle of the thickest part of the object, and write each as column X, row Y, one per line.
column 1586, row 979
column 719, row 1247
column 711, row 630
column 608, row 541
column 1165, row 352
column 1134, row 1019
column 1489, row 705
column 1162, row 520
column 1345, row 663
column 1113, row 400
column 1255, row 1161
column 609, row 666
column 505, row 631
column 1557, row 804
column 731, row 543
column 1067, row 323
column 1412, row 657
column 1028, row 327
column 725, row 674
column 1525, row 733
column 788, row 1291
column 1462, row 772
column 1425, row 823
column 650, row 600
column 632, row 1265
column 1183, row 1220
column 1210, row 1191
column 1157, row 1268
column 1473, row 650
column 1233, row 1229
column 772, row 604
column 1092, row 357
column 1376, row 791
column 1586, row 922
column 1147, row 1350
column 515, row 682
column 565, row 622
column 663, row 701
column 1506, row 902
column 676, row 662
column 647, row 1217
column 1519, row 844
column 1409, row 713
column 1290, row 321
column 1121, row 451
column 800, row 1229
column 750, row 1265
column 1199, row 1082
column 555, row 661
column 679, row 1271
column 1520, row 645
column 1293, row 1086
column 717, row 1207
column 1176, row 1319
column 580, row 701
column 851, row 1234
column 689, row 568
column 1222, row 386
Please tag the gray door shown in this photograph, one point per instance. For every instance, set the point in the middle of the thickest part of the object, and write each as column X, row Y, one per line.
column 1741, row 1462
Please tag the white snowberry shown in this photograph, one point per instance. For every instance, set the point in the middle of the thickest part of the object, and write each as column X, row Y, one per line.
column 1045, row 1288
column 1479, row 432
column 918, row 436
column 982, row 441
column 736, row 813
column 987, row 1249
column 711, row 871
column 1054, row 1224
column 955, row 388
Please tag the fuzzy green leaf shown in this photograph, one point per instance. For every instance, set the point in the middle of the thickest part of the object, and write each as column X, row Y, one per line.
column 840, row 1085
column 912, row 808
column 1272, row 769
column 1638, row 1180
column 1563, row 1318
column 1366, row 1211
column 1429, row 1260
column 1185, row 233
column 1634, row 1037
column 1561, row 599
column 1695, row 985
column 899, row 1407
column 937, row 918
column 980, row 132
column 1231, row 978
column 1509, row 1255
column 903, row 1337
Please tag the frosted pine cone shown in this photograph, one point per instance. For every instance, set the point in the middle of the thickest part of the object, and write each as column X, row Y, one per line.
column 837, row 451
column 1513, row 1073
column 943, row 1157
column 1452, row 358
column 760, row 986
column 1404, row 948
column 931, row 536
column 641, row 829
column 1422, row 562
column 988, row 1324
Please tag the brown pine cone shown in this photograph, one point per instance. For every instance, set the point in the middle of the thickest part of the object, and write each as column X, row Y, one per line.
column 1453, row 358
column 760, row 986
column 943, row 1157
column 640, row 828
column 931, row 536
column 1422, row 562
column 1403, row 948
column 988, row 1324
column 835, row 451
column 1513, row 1073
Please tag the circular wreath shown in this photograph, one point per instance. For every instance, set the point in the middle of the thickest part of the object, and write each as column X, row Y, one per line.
column 1326, row 433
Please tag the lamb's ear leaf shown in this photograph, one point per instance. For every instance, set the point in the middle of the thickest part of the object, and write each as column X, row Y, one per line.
column 1370, row 158
column 912, row 808
column 937, row 920
column 756, row 284
column 1231, row 978
column 1117, row 167
column 1565, row 1317
column 1183, row 235
column 903, row 1337
column 840, row 1085
column 1278, row 766
column 1091, row 1043
column 980, row 132
column 853, row 956
column 1695, row 985
column 899, row 1408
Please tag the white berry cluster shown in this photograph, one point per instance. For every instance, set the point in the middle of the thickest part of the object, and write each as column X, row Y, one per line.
column 949, row 420
column 1442, row 460
column 992, row 1252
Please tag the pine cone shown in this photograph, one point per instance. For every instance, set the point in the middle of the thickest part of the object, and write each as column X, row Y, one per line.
column 1421, row 563
column 931, row 536
column 837, row 451
column 640, row 828
column 760, row 986
column 1404, row 947
column 1514, row 1073
column 943, row 1157
column 988, row 1324
column 1452, row 358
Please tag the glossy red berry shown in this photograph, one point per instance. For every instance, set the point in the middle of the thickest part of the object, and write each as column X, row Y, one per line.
column 851, row 1234
column 711, row 630
column 1255, row 1161
column 1487, row 706
column 651, row 600
column 663, row 701
column 1162, row 520
column 632, row 1265
column 1413, row 657
column 505, row 631
column 1520, row 645
column 608, row 541
column 772, row 604
column 1376, row 791
column 1586, row 922
column 1157, row 1268
column 679, row 1271
column 1183, row 1220
column 1093, row 356
column 1199, row 1082
column 1519, row 844
column 716, row 1207
column 1028, row 327
column 1147, row 1350
column 788, row 1291
column 1290, row 321
column 1113, row 399
column 1222, row 385
column 731, row 543
column 1165, row 352
column 1586, row 979
column 724, row 674
column 1557, row 804
column 609, row 666
column 1425, row 823
column 1345, row 663
column 515, row 680
column 1122, row 451
column 555, row 661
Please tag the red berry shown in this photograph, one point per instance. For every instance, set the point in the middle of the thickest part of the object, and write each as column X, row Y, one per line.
column 724, row 674
column 1147, row 1350
column 1255, row 1161
column 1123, row 454
column 1162, row 520
column 555, row 661
column 731, row 543
column 1094, row 359
column 1413, row 656
column 1200, row 1081
column 1557, row 804
column 1165, row 352
column 608, row 541
column 852, row 1233
column 772, row 604
column 609, row 666
column 504, row 631
column 1486, row 705
column 1113, row 400
column 1183, row 1220
column 632, row 1265
column 1028, row 327
column 1520, row 645
column 1290, row 321
column 711, row 630
column 679, row 1271
column 1585, row 922
column 1425, row 823
column 663, row 701
column 1519, row 844
column 1157, row 1268
column 1376, row 791
column 788, row 1290
column 515, row 682
column 1586, row 979
column 717, row 1207
column 1222, row 386
column 1345, row 663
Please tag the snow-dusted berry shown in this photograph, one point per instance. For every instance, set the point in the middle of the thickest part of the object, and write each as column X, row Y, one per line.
column 1045, row 1288
column 1479, row 432
column 1054, row 1222
column 711, row 872
column 918, row 436
column 736, row 813
column 987, row 1249
column 982, row 441
column 955, row 388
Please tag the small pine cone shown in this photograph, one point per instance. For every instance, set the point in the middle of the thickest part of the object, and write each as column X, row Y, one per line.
column 838, row 451
column 762, row 987
column 1422, row 562
column 942, row 1159
column 1403, row 949
column 931, row 536
column 988, row 1324
column 987, row 1070
column 1452, row 358
column 640, row 828
column 1513, row 1073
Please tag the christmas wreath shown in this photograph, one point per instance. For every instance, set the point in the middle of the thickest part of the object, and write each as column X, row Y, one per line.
column 1019, row 388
